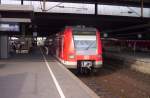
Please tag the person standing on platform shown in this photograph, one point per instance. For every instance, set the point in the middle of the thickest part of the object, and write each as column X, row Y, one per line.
column 14, row 48
column 20, row 47
column 47, row 50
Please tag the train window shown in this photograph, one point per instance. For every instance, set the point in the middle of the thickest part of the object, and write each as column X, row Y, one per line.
column 85, row 44
column 84, row 33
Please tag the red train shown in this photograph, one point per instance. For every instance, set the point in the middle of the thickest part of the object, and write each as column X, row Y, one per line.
column 79, row 48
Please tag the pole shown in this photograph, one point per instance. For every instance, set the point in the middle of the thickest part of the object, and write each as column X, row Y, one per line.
column 134, row 47
column 21, row 2
column 23, row 30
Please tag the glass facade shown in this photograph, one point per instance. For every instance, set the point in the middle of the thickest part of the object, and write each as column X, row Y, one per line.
column 37, row 5
column 12, row 2
column 81, row 8
column 60, row 7
column 122, row 11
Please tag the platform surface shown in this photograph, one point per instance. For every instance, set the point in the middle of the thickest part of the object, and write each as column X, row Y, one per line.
column 29, row 76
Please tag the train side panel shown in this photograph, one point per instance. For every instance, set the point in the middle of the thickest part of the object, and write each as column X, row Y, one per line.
column 67, row 56
column 99, row 60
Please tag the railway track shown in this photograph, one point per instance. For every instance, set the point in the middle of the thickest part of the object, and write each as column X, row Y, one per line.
column 117, row 81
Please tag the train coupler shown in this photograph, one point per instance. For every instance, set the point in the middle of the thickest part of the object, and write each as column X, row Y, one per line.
column 87, row 64
column 84, row 67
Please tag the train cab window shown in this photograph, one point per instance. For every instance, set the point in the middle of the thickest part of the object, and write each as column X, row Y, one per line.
column 85, row 43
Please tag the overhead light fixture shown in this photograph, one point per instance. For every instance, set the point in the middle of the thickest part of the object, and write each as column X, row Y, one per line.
column 129, row 12
column 139, row 35
column 105, row 35
column 72, row 7
column 61, row 6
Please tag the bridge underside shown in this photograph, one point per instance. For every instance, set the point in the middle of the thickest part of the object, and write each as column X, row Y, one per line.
column 46, row 24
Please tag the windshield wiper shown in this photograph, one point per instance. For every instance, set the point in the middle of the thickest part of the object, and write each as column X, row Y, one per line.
column 90, row 45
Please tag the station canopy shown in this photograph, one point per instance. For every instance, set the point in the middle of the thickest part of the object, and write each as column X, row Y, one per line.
column 110, row 16
column 105, row 7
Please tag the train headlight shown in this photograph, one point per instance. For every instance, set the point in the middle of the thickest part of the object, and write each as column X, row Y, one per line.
column 71, row 56
column 99, row 56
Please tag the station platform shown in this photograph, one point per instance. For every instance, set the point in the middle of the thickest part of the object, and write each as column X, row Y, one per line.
column 39, row 76
column 138, row 61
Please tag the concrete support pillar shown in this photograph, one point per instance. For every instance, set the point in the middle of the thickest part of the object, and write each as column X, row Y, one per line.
column 23, row 30
column 21, row 2
column 4, row 47
column 96, row 8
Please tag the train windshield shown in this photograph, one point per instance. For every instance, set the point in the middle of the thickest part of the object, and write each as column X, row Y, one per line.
column 85, row 44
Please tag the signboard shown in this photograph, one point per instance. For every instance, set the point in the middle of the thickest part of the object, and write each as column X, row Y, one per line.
column 14, row 27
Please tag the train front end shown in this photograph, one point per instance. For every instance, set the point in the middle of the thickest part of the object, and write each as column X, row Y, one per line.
column 86, row 51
